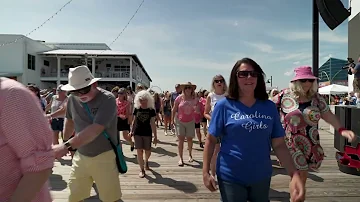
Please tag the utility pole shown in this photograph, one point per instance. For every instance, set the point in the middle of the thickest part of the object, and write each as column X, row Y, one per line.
column 270, row 81
column 315, row 40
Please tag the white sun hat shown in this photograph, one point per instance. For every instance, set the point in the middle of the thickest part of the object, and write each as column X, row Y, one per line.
column 79, row 77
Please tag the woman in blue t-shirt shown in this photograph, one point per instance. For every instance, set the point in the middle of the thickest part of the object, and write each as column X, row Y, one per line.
column 248, row 125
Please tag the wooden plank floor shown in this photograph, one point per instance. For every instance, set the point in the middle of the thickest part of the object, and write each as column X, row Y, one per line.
column 168, row 182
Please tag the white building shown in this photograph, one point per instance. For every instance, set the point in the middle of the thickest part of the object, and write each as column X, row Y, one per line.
column 354, row 36
column 47, row 64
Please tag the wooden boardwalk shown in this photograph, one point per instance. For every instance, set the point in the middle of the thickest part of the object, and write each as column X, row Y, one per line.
column 168, row 182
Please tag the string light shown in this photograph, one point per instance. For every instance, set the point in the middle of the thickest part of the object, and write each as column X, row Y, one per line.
column 37, row 28
column 117, row 37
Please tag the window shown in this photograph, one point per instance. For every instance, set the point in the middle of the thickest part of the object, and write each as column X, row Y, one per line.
column 118, row 68
column 46, row 63
column 31, row 62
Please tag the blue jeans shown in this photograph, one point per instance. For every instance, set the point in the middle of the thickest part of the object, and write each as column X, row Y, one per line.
column 235, row 192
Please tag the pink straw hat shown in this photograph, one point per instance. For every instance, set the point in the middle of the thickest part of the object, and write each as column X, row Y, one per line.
column 303, row 72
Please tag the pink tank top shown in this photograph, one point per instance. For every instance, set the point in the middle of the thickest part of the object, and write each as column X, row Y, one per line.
column 186, row 109
column 121, row 106
column 199, row 116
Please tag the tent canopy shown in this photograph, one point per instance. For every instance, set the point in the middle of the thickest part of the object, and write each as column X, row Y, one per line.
column 333, row 89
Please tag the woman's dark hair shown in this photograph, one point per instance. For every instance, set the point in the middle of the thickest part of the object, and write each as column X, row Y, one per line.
column 35, row 89
column 260, row 89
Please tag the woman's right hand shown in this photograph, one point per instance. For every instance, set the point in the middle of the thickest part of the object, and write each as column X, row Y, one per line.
column 209, row 182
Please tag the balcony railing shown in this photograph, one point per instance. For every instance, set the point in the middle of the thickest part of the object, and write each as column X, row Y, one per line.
column 112, row 74
column 54, row 74
column 98, row 74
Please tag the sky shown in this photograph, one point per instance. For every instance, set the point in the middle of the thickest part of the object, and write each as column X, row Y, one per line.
column 187, row 40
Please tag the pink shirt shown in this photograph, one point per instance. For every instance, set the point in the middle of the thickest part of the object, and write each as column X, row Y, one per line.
column 199, row 116
column 186, row 109
column 203, row 101
column 25, row 139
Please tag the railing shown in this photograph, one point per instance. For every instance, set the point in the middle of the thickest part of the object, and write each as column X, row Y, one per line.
column 112, row 74
column 53, row 74
column 97, row 74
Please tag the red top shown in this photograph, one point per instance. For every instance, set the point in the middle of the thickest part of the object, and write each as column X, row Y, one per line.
column 121, row 107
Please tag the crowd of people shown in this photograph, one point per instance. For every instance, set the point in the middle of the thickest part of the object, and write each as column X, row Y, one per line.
column 241, row 122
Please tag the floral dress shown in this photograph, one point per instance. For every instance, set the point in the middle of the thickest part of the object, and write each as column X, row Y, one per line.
column 300, row 121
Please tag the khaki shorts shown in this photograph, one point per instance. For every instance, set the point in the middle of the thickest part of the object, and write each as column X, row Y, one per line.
column 186, row 129
column 100, row 169
column 143, row 142
column 356, row 85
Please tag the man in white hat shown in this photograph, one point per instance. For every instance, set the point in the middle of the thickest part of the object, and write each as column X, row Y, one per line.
column 94, row 159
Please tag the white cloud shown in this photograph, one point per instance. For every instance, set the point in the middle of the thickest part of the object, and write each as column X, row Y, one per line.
column 298, row 56
column 263, row 47
column 289, row 72
column 296, row 62
column 247, row 22
column 327, row 57
column 325, row 36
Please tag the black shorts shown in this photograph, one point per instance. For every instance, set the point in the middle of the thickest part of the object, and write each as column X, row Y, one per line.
column 122, row 124
column 57, row 124
column 203, row 120
column 197, row 125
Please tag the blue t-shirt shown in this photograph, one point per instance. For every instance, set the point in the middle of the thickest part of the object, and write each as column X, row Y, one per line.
column 246, row 134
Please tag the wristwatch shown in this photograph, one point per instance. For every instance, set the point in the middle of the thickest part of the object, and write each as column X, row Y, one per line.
column 68, row 146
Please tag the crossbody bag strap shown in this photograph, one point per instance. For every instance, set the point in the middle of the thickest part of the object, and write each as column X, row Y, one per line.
column 85, row 105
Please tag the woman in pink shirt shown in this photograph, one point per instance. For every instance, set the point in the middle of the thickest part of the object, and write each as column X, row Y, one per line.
column 186, row 106
column 25, row 145
column 123, row 113
column 198, row 118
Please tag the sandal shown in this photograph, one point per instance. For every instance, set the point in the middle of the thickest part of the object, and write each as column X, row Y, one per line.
column 132, row 146
column 142, row 174
column 181, row 163
column 191, row 159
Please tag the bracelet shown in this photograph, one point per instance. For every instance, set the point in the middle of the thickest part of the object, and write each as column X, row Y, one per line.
column 340, row 130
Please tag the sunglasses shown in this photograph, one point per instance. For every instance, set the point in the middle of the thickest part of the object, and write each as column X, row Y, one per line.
column 82, row 91
column 219, row 81
column 188, row 87
column 245, row 74
column 305, row 80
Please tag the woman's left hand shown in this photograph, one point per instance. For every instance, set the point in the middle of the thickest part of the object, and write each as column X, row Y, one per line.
column 297, row 189
column 155, row 141
column 348, row 134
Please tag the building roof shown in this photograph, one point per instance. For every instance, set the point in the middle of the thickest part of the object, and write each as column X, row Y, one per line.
column 89, row 52
column 332, row 70
column 333, row 61
column 78, row 46
column 96, row 53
